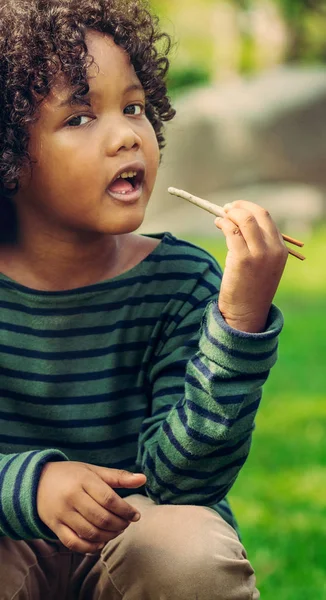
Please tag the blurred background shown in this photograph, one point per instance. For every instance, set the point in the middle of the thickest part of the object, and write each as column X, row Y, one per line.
column 248, row 82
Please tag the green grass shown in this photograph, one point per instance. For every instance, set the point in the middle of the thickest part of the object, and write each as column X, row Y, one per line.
column 280, row 495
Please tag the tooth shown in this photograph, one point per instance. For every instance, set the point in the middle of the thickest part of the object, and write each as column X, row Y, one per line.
column 127, row 174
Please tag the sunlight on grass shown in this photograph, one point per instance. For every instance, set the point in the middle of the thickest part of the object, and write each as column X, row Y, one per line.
column 279, row 496
column 286, row 413
column 308, row 277
column 286, row 466
column 259, row 515
column 304, row 489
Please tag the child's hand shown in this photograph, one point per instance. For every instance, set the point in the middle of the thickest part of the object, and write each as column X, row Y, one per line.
column 77, row 502
column 254, row 265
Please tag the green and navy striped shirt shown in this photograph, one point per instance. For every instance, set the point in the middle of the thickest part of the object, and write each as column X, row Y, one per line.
column 138, row 372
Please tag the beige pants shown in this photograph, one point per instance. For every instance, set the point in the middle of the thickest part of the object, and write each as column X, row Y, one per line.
column 172, row 553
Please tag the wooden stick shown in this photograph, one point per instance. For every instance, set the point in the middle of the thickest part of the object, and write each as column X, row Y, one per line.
column 218, row 211
column 209, row 206
column 294, row 253
column 293, row 241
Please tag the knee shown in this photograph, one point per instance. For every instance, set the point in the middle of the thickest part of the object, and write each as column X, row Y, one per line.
column 188, row 552
column 205, row 559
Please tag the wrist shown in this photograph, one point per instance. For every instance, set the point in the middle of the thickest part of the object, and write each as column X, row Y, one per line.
column 247, row 322
column 246, row 326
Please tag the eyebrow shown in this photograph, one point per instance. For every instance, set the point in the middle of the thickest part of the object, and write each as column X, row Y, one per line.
column 72, row 100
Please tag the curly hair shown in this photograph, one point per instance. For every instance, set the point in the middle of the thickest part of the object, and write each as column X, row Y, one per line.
column 39, row 38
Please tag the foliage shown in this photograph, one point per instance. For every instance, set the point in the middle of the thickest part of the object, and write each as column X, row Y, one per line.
column 307, row 21
column 198, row 57
column 181, row 78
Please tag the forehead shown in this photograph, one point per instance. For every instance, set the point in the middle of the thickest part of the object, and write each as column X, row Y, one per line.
column 111, row 68
column 107, row 54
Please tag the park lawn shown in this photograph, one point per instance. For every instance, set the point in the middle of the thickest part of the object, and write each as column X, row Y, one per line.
column 280, row 495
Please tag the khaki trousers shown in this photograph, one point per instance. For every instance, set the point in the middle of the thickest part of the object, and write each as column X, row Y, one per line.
column 172, row 553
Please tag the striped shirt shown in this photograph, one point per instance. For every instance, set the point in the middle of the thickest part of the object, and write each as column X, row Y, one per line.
column 138, row 372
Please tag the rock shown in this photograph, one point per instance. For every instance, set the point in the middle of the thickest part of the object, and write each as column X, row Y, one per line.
column 263, row 139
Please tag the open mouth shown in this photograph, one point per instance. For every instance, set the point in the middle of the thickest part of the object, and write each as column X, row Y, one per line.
column 127, row 185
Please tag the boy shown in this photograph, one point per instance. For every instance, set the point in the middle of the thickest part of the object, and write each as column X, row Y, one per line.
column 127, row 367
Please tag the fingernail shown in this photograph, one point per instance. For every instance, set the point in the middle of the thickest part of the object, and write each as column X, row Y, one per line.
column 227, row 206
column 136, row 517
column 97, row 549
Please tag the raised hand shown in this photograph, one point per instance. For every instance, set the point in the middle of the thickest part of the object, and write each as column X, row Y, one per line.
column 254, row 265
column 77, row 502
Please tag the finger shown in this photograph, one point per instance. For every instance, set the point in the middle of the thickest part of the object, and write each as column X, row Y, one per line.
column 250, row 230
column 74, row 543
column 262, row 216
column 233, row 236
column 106, row 497
column 99, row 517
column 87, row 531
column 118, row 478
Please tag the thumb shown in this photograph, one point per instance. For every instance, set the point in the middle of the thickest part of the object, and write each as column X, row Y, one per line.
column 118, row 478
column 217, row 222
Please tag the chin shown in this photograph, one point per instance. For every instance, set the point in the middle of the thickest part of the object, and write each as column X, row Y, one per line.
column 127, row 225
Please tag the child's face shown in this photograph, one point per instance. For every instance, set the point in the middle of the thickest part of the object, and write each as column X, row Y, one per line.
column 79, row 150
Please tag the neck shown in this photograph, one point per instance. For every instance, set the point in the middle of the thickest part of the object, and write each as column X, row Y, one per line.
column 48, row 263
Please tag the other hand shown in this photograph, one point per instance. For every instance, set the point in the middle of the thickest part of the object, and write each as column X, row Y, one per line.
column 254, row 265
column 77, row 502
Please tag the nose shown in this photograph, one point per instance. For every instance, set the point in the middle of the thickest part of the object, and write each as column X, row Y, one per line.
column 121, row 136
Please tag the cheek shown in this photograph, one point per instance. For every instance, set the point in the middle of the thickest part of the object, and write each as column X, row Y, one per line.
column 65, row 167
column 153, row 153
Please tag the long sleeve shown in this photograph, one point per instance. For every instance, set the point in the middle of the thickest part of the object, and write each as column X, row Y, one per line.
column 206, row 390
column 137, row 372
column 19, row 477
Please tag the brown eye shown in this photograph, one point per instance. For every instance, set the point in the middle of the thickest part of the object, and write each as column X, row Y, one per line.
column 134, row 109
column 75, row 121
